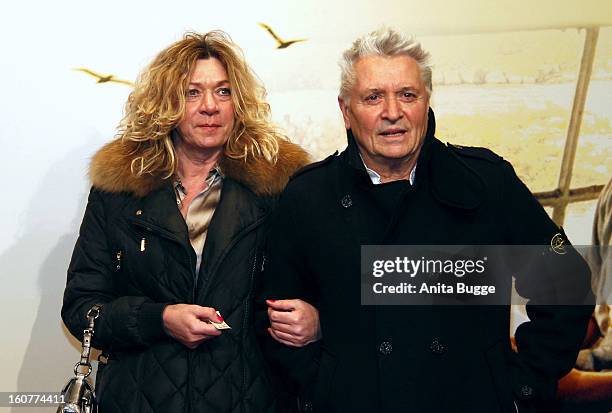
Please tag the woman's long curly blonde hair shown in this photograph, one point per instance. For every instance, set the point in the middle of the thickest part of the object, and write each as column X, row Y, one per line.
column 157, row 105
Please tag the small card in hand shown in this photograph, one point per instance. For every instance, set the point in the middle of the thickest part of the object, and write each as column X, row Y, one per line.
column 222, row 325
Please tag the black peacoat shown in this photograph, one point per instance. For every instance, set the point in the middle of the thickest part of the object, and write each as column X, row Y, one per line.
column 414, row 358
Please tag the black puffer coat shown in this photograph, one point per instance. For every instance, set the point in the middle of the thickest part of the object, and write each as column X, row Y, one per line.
column 133, row 256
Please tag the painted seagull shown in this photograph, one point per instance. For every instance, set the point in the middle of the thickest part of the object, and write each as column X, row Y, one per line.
column 281, row 44
column 104, row 78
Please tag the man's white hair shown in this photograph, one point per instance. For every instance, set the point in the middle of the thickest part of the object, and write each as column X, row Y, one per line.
column 384, row 42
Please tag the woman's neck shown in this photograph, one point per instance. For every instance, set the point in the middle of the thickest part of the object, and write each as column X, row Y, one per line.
column 195, row 165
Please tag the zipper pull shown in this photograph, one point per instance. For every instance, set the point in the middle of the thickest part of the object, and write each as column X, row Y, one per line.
column 118, row 256
column 143, row 244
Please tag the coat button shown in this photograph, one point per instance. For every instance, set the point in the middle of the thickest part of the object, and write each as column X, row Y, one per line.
column 436, row 347
column 346, row 201
column 526, row 391
column 307, row 407
column 385, row 348
column 139, row 212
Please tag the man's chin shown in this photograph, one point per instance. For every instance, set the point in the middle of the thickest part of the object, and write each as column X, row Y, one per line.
column 396, row 153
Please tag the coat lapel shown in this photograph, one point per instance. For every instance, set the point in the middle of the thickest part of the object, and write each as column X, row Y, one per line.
column 159, row 212
column 227, row 226
column 351, row 188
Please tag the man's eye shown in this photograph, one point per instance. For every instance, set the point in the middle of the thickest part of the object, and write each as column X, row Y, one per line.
column 372, row 98
column 409, row 96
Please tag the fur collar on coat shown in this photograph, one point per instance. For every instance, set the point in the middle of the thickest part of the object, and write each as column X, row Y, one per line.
column 110, row 170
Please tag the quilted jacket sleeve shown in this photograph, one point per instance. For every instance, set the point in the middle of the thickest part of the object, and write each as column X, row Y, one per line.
column 124, row 322
column 549, row 342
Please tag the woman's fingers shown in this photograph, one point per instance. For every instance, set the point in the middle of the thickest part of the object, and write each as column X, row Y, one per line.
column 189, row 324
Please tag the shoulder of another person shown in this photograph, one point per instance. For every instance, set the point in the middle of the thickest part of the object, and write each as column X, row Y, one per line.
column 475, row 152
column 305, row 170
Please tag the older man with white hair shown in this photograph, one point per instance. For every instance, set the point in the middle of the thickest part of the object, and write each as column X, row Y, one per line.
column 396, row 184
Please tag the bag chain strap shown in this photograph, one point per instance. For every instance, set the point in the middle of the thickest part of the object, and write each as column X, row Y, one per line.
column 83, row 367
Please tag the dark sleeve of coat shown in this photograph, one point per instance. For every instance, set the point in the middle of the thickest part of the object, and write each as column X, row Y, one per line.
column 549, row 342
column 285, row 276
column 124, row 322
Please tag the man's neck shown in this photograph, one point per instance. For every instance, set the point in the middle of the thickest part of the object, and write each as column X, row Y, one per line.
column 391, row 170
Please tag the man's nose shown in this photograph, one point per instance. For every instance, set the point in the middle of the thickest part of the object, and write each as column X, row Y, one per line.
column 392, row 110
column 208, row 104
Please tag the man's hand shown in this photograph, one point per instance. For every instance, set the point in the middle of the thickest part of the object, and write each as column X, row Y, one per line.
column 188, row 324
column 294, row 322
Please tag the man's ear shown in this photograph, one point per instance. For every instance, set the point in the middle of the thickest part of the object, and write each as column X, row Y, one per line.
column 344, row 109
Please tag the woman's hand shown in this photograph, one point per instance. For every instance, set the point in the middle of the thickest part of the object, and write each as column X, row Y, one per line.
column 294, row 322
column 189, row 324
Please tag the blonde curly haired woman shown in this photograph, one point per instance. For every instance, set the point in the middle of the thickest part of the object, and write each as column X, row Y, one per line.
column 173, row 233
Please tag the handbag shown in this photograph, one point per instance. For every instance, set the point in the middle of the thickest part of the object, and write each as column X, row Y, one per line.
column 78, row 394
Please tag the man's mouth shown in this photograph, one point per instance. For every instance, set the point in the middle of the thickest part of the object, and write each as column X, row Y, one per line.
column 393, row 132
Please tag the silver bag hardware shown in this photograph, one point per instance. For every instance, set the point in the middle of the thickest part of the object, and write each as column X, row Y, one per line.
column 78, row 394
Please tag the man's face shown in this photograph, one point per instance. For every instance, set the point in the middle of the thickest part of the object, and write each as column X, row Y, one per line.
column 209, row 110
column 387, row 109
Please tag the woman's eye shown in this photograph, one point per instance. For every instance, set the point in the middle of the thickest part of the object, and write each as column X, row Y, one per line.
column 224, row 91
column 193, row 93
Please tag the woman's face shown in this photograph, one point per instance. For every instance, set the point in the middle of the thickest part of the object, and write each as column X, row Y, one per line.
column 209, row 109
